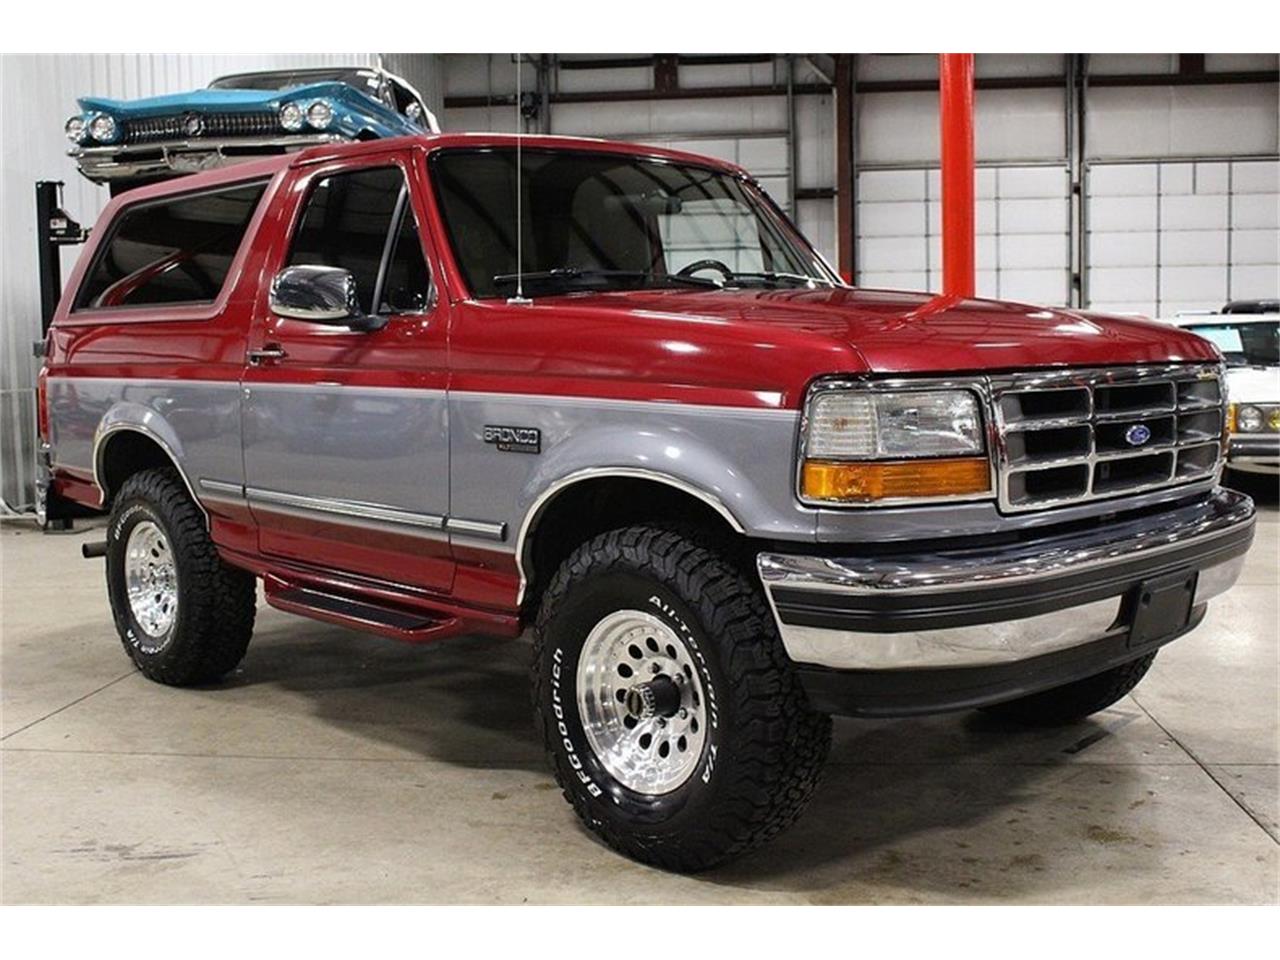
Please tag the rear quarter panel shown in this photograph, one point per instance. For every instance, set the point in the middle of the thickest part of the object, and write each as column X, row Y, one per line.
column 171, row 372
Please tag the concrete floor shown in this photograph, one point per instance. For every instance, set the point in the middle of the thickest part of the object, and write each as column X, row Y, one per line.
column 337, row 767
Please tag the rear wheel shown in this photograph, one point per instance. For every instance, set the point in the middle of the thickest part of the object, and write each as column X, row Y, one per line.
column 668, row 708
column 1076, row 700
column 183, row 615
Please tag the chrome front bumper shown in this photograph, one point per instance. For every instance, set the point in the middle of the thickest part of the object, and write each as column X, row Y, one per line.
column 1254, row 453
column 126, row 161
column 994, row 606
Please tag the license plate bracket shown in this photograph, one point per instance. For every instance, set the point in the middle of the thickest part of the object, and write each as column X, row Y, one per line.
column 1161, row 606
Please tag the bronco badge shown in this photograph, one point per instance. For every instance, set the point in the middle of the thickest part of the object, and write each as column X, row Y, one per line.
column 514, row 439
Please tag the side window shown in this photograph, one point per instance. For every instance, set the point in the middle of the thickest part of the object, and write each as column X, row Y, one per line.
column 347, row 222
column 172, row 251
column 406, row 287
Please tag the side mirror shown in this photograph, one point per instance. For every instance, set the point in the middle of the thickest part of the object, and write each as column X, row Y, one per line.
column 321, row 295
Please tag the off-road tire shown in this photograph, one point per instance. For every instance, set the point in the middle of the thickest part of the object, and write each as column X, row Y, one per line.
column 1076, row 700
column 216, row 602
column 765, row 748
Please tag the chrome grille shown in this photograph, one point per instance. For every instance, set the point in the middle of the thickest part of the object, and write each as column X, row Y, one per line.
column 175, row 127
column 1067, row 437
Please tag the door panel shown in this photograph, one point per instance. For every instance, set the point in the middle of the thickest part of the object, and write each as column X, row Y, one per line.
column 345, row 433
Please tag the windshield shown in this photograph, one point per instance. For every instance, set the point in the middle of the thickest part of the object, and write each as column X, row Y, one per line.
column 287, row 79
column 599, row 221
column 1254, row 344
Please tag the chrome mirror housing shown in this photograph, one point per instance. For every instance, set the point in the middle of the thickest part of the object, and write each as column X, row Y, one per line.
column 320, row 294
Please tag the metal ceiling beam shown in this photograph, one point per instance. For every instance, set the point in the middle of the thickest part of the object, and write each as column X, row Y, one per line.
column 882, row 86
column 623, row 96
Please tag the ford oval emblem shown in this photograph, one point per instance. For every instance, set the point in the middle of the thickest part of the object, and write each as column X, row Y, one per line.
column 1138, row 434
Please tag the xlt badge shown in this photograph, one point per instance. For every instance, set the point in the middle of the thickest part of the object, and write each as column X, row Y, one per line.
column 514, row 439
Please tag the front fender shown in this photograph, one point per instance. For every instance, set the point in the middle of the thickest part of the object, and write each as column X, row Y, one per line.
column 739, row 464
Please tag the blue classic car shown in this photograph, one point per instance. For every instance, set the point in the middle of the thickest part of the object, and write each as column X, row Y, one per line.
column 125, row 143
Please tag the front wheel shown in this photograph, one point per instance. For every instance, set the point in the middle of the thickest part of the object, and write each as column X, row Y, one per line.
column 667, row 705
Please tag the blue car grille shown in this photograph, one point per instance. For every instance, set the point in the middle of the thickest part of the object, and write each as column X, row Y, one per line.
column 212, row 125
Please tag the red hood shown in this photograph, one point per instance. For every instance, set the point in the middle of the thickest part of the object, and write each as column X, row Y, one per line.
column 896, row 332
column 758, row 347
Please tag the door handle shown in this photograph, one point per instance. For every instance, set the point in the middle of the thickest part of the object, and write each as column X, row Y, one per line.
column 272, row 351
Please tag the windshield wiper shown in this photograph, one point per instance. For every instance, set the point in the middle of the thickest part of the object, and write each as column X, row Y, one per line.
column 570, row 275
column 779, row 279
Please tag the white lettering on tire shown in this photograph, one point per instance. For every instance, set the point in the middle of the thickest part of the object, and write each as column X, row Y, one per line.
column 557, row 708
column 708, row 687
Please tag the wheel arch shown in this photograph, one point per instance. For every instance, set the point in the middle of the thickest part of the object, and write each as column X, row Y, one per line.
column 572, row 498
column 126, row 443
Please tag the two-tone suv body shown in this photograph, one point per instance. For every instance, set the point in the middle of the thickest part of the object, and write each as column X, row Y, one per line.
column 468, row 384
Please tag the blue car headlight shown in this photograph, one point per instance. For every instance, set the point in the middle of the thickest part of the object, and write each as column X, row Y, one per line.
column 291, row 117
column 75, row 128
column 103, row 128
column 320, row 115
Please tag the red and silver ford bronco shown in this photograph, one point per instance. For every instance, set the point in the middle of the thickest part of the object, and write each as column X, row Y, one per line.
column 455, row 385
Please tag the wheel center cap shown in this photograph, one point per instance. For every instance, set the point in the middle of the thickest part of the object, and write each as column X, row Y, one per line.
column 660, row 697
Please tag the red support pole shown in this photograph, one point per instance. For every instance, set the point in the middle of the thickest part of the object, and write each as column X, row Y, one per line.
column 955, row 72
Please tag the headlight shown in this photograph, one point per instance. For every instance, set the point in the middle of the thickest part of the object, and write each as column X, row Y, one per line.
column 103, row 128
column 864, row 446
column 291, row 117
column 319, row 115
column 1248, row 419
column 75, row 128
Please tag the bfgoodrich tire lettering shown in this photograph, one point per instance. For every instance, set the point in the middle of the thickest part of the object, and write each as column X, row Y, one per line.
column 215, row 603
column 762, row 748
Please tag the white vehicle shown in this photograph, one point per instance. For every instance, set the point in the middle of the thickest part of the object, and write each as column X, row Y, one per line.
column 1250, row 343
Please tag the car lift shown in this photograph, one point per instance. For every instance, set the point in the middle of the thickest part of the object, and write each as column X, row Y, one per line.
column 54, row 229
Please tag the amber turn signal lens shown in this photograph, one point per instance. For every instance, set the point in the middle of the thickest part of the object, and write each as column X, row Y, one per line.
column 891, row 479
column 1231, row 418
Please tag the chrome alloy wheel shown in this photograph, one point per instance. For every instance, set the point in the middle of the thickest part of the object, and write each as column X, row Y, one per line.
column 151, row 579
column 641, row 702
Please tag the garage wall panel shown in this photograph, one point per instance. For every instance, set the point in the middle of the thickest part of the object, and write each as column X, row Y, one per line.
column 1009, row 125
column 1165, row 237
column 1021, row 247
column 1169, row 122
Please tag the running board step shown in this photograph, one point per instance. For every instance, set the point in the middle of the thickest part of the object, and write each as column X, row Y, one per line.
column 408, row 625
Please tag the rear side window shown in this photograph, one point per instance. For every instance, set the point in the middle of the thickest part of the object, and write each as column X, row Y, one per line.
column 171, row 251
column 362, row 222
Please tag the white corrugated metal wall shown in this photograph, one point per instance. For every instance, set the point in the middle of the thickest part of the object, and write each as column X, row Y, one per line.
column 1193, row 223
column 37, row 93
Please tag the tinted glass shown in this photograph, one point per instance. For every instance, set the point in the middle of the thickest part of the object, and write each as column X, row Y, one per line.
column 407, row 286
column 365, row 80
column 1244, row 344
column 172, row 251
column 594, row 214
column 345, row 224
